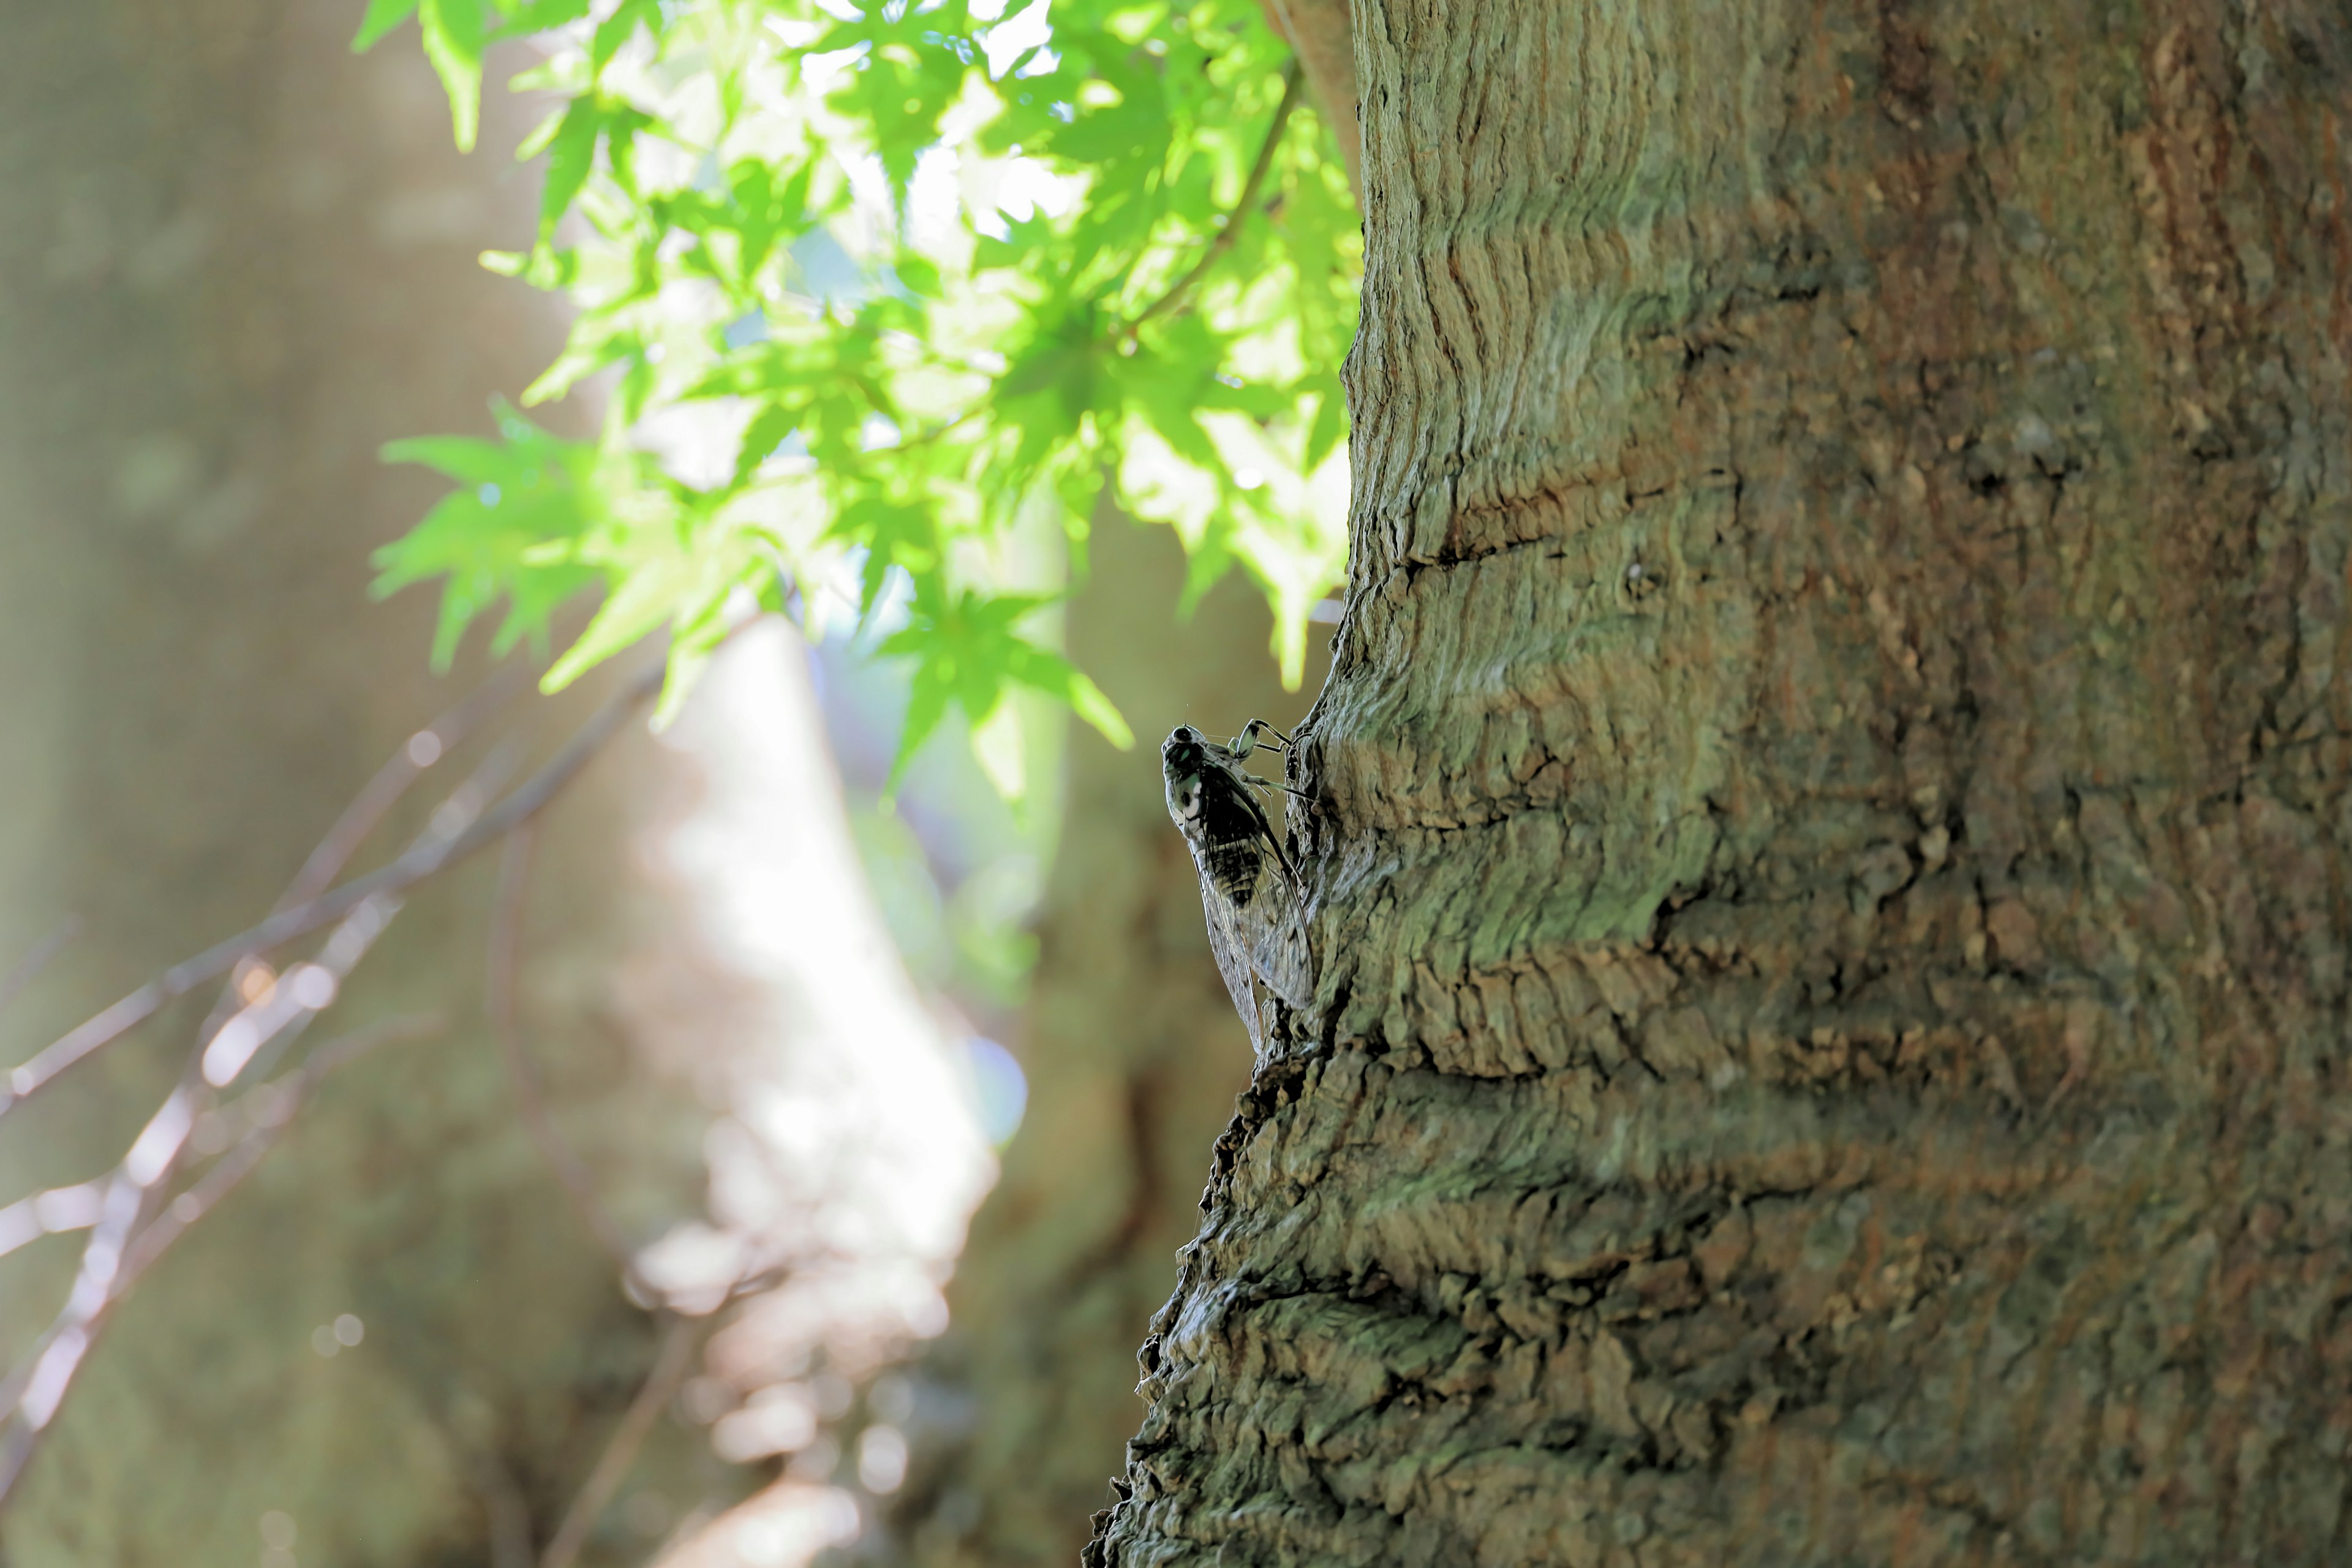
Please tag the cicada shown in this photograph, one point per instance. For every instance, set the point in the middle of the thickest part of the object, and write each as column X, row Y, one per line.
column 1250, row 889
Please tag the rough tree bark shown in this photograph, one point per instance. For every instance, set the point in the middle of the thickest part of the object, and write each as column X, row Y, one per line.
column 1828, row 816
column 1134, row 1056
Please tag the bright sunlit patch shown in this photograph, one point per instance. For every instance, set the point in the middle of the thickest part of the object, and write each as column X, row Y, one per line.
column 311, row 986
column 780, row 1420
column 253, row 979
column 160, row 1139
column 231, row 1048
column 934, row 201
column 51, row 1375
column 787, row 1525
column 1031, row 27
column 881, row 1459
column 69, row 1208
column 851, row 1133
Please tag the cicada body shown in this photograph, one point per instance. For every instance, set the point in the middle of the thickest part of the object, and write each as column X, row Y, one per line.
column 1250, row 891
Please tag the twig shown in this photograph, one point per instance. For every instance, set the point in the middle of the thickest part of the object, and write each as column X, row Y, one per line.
column 32, row 1393
column 406, row 872
column 383, row 791
column 1293, row 79
column 112, row 1256
column 613, row 1466
column 284, row 1096
column 258, row 1031
column 276, row 1020
column 123, row 1241
column 50, row 1212
column 504, row 961
column 36, row 958
column 48, row 1370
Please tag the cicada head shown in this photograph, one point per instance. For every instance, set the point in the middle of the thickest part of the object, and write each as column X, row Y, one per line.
column 1183, row 758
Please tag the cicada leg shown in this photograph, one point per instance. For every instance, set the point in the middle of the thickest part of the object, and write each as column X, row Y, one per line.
column 1269, row 784
column 1246, row 743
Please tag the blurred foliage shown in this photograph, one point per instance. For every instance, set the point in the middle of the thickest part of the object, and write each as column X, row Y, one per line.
column 939, row 274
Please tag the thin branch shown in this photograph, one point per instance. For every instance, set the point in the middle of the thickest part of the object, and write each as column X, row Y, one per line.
column 383, row 792
column 126, row 1234
column 410, row 868
column 259, row 1031
column 53, row 1211
column 1292, row 79
column 267, row 1024
column 360, row 819
column 33, row 1391
column 64, row 1348
column 284, row 1097
column 620, row 1452
column 504, row 962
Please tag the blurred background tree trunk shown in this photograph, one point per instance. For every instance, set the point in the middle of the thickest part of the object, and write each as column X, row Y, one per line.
column 1134, row 1054
column 233, row 261
column 1830, row 817
column 237, row 260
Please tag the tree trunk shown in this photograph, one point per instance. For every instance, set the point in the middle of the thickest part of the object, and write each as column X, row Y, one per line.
column 1134, row 1056
column 236, row 261
column 1829, row 822
column 233, row 261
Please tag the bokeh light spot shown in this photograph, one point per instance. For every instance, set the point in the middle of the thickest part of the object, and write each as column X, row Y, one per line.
column 1000, row 1086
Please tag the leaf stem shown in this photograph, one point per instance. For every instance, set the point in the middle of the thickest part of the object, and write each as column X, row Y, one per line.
column 1292, row 79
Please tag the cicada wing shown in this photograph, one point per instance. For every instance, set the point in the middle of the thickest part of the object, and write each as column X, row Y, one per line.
column 1278, row 951
column 1229, row 942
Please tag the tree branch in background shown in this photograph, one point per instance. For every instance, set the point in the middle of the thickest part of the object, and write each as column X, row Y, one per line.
column 34, row 1392
column 620, row 1452
column 273, row 1108
column 390, row 782
column 681, row 1332
column 368, row 809
column 412, row 868
column 127, row 1234
column 1223, row 242
column 277, row 1013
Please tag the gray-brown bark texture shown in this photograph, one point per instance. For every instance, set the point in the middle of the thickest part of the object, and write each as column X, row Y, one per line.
column 1830, row 817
